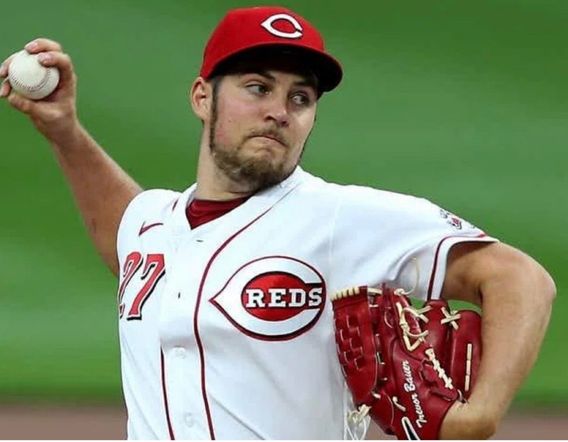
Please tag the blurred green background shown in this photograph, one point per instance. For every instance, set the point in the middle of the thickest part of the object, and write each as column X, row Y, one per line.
column 464, row 103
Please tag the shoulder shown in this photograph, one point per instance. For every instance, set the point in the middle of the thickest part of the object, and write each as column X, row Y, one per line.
column 153, row 201
column 350, row 200
column 371, row 198
column 365, row 199
column 314, row 186
column 317, row 185
column 150, row 207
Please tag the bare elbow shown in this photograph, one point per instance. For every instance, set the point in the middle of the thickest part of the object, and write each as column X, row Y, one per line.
column 543, row 283
column 548, row 286
column 542, row 280
column 533, row 281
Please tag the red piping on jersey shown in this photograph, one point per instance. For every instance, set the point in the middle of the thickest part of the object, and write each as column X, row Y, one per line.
column 195, row 328
column 144, row 228
column 434, row 267
column 163, row 370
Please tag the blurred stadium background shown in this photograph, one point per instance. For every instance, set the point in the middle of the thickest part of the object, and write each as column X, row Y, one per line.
column 464, row 103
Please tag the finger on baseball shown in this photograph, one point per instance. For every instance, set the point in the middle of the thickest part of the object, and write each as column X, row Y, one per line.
column 42, row 45
column 5, row 89
column 22, row 104
column 4, row 66
column 58, row 60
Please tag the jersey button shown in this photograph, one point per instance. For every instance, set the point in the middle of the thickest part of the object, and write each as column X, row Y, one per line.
column 180, row 352
column 188, row 419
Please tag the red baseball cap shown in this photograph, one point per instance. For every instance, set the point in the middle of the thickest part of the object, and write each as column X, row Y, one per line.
column 245, row 29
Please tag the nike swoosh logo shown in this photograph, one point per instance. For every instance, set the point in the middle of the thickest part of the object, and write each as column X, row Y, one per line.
column 145, row 228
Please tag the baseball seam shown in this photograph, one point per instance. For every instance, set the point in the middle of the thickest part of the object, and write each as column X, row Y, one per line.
column 42, row 83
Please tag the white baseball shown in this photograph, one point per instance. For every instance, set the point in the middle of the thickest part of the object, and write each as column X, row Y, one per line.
column 29, row 78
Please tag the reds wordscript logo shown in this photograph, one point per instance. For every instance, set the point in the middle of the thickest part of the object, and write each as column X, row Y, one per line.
column 273, row 298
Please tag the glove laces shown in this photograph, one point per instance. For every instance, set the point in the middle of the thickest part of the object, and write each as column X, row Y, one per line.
column 358, row 422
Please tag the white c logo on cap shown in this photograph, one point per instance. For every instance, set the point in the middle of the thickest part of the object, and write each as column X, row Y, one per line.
column 267, row 24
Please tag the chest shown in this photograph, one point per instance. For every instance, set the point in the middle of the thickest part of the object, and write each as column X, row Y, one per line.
column 258, row 283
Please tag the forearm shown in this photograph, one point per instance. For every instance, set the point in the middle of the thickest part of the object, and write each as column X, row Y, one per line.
column 516, row 305
column 102, row 190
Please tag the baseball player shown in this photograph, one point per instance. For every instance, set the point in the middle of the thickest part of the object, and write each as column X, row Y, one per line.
column 224, row 289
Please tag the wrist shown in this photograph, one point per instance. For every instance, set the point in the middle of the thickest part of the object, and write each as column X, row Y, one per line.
column 67, row 137
column 467, row 421
column 58, row 126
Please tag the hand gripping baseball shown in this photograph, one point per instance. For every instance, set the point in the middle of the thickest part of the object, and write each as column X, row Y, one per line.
column 405, row 366
column 55, row 114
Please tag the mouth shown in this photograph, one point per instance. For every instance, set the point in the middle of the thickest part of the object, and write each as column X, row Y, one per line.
column 271, row 138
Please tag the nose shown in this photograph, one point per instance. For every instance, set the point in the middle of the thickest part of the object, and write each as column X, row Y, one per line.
column 277, row 111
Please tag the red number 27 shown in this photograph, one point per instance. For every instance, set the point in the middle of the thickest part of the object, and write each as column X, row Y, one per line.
column 153, row 271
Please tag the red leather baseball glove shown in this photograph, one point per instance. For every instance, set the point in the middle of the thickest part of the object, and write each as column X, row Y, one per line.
column 405, row 366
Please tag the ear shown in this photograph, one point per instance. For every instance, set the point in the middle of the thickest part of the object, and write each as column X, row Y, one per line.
column 201, row 97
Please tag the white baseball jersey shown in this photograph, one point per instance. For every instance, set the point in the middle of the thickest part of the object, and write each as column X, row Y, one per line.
column 226, row 330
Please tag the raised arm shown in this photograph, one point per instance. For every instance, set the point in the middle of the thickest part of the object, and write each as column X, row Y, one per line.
column 101, row 188
column 515, row 294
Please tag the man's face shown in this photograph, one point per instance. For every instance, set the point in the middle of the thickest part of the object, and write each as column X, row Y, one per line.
column 260, row 122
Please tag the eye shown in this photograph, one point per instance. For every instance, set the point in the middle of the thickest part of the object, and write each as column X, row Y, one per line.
column 301, row 99
column 257, row 88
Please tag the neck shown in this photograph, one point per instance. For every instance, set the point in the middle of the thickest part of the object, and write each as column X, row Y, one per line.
column 213, row 184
